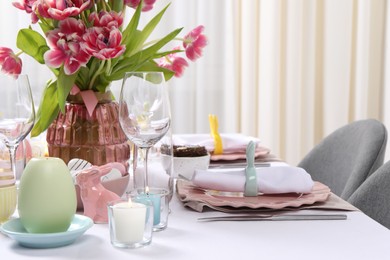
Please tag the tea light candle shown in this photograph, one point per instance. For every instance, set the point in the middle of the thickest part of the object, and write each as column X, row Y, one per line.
column 156, row 201
column 129, row 218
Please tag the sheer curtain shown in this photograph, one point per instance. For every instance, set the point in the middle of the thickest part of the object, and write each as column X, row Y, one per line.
column 288, row 72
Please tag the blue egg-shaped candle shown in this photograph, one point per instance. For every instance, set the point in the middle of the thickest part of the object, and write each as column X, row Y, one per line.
column 47, row 196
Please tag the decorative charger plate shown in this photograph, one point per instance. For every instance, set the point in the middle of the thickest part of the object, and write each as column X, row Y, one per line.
column 260, row 152
column 14, row 229
column 189, row 193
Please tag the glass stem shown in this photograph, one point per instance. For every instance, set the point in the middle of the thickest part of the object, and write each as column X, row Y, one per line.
column 135, row 162
column 12, row 156
column 146, row 183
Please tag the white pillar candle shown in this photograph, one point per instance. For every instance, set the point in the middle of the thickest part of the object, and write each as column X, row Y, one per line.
column 129, row 219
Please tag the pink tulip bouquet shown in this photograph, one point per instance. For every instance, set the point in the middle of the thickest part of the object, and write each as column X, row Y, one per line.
column 87, row 46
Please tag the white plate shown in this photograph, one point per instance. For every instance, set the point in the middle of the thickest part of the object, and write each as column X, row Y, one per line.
column 14, row 229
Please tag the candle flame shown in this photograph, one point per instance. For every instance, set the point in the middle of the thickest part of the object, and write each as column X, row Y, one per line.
column 147, row 189
column 130, row 202
column 46, row 152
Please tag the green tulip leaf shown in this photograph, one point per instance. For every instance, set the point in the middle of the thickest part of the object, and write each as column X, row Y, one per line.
column 136, row 42
column 128, row 33
column 152, row 66
column 32, row 43
column 48, row 109
column 116, row 5
column 64, row 85
column 140, row 58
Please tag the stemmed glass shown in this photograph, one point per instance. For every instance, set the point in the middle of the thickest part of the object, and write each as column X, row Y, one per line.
column 144, row 111
column 17, row 113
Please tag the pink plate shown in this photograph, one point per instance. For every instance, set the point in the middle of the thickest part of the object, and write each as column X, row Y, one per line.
column 260, row 152
column 187, row 192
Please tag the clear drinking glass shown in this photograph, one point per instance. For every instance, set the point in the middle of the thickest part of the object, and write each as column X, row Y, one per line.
column 144, row 112
column 17, row 113
column 160, row 170
column 131, row 222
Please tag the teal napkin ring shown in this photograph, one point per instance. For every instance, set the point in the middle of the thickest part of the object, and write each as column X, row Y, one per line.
column 251, row 189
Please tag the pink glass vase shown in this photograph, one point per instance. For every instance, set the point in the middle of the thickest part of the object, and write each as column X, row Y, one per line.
column 98, row 138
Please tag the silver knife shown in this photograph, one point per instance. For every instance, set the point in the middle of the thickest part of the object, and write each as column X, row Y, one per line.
column 286, row 217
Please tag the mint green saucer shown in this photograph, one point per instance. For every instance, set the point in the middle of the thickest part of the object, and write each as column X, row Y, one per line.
column 15, row 230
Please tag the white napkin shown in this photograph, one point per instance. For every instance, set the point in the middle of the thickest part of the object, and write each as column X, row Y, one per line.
column 270, row 180
column 231, row 143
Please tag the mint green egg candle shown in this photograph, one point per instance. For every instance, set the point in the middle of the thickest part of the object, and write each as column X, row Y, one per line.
column 47, row 196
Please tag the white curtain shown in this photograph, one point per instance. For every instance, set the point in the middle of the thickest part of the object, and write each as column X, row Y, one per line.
column 287, row 71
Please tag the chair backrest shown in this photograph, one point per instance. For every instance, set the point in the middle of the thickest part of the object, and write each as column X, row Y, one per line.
column 346, row 157
column 373, row 196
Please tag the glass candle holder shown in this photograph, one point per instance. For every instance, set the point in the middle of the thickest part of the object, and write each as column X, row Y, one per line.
column 8, row 198
column 160, row 200
column 131, row 222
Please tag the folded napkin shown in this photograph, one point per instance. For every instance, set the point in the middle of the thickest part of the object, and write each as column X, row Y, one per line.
column 233, row 144
column 270, row 180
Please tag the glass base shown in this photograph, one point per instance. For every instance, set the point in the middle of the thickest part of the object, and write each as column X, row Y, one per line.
column 134, row 245
column 160, row 227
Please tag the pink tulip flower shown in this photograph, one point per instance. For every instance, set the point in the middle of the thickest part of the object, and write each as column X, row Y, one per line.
column 194, row 42
column 9, row 62
column 61, row 9
column 103, row 42
column 65, row 46
column 174, row 62
column 147, row 4
column 28, row 6
column 106, row 19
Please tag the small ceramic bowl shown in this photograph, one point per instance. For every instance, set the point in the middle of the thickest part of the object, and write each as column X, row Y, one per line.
column 185, row 166
column 7, row 202
column 117, row 186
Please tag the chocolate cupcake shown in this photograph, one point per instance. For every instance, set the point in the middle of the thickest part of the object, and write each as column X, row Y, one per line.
column 187, row 159
column 185, row 150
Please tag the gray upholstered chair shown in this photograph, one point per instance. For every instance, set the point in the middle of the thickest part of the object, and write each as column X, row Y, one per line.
column 373, row 196
column 346, row 157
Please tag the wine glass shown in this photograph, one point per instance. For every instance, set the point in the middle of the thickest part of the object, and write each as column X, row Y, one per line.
column 144, row 111
column 17, row 113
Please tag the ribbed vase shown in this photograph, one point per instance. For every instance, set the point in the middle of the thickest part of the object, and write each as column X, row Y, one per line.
column 97, row 138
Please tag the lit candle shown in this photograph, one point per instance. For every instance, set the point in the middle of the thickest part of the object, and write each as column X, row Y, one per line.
column 156, row 201
column 129, row 218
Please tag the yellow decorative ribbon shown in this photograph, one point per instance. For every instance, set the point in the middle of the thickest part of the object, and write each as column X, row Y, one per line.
column 213, row 121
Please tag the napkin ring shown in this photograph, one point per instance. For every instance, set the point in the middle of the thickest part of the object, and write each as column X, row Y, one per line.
column 213, row 121
column 251, row 188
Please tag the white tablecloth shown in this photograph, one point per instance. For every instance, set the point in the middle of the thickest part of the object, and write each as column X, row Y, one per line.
column 358, row 237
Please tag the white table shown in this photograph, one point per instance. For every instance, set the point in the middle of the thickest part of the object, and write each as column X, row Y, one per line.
column 358, row 237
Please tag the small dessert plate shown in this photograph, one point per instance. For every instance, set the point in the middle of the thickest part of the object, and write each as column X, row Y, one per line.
column 14, row 229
